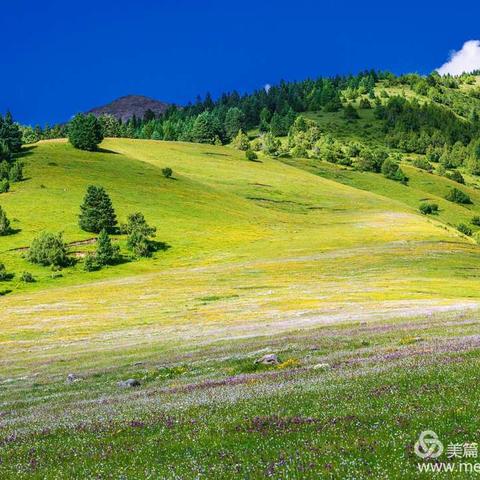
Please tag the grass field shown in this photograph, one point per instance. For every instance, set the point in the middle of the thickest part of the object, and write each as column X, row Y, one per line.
column 367, row 303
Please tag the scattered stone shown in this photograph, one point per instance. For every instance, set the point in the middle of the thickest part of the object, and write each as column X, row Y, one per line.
column 72, row 378
column 321, row 366
column 130, row 383
column 269, row 359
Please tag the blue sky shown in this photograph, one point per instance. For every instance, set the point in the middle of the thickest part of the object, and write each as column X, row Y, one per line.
column 59, row 58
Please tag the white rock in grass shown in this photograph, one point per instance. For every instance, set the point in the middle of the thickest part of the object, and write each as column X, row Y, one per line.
column 130, row 383
column 321, row 366
column 71, row 378
column 269, row 359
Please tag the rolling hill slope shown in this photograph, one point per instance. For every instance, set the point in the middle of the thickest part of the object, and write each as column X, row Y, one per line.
column 353, row 288
column 251, row 244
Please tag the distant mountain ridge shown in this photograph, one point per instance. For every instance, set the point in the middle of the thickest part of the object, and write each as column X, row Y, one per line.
column 128, row 106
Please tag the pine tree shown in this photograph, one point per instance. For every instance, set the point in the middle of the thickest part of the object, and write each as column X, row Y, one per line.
column 10, row 133
column 5, row 153
column 4, row 170
column 106, row 254
column 277, row 126
column 4, row 223
column 96, row 212
column 85, row 132
column 203, row 129
column 234, row 122
column 264, row 120
column 16, row 172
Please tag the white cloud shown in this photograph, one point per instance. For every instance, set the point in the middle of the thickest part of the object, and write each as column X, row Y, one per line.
column 465, row 60
column 267, row 87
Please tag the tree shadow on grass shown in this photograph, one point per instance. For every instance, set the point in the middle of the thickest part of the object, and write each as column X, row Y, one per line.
column 25, row 151
column 12, row 231
column 159, row 246
column 105, row 150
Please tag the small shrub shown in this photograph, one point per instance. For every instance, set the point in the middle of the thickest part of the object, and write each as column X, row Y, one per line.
column 456, row 176
column 250, row 155
column 4, row 275
column 91, row 264
column 241, row 141
column 365, row 103
column 27, row 277
column 289, row 363
column 4, row 186
column 457, row 196
column 391, row 170
column 256, row 144
column 48, row 249
column 428, row 208
column 465, row 229
column 423, row 164
column 139, row 235
column 167, row 172
column 475, row 221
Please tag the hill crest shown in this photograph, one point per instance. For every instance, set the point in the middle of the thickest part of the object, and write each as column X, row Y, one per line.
column 127, row 106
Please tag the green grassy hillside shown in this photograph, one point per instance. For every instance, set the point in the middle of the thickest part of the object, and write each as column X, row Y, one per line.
column 317, row 263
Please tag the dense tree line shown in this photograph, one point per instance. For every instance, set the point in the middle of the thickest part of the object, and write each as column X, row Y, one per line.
column 414, row 126
column 219, row 121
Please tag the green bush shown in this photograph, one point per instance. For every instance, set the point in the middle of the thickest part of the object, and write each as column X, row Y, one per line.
column 241, row 141
column 465, row 229
column 457, row 196
column 4, row 186
column 139, row 235
column 365, row 103
column 456, row 176
column 271, row 145
column 4, row 275
column 85, row 132
column 27, row 277
column 391, row 170
column 250, row 155
column 423, row 164
column 48, row 249
column 91, row 264
column 167, row 172
column 475, row 221
column 428, row 208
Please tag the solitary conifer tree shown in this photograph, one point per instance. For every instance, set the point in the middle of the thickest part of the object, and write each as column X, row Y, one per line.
column 4, row 223
column 96, row 212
